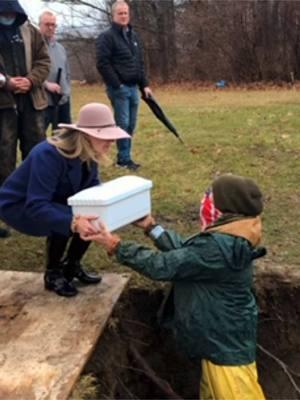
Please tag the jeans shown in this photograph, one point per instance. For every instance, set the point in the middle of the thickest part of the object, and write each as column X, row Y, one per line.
column 63, row 115
column 125, row 102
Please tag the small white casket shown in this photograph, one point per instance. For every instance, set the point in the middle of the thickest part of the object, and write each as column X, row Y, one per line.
column 117, row 202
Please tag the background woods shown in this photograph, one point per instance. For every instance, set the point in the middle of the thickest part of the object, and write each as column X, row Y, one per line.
column 239, row 41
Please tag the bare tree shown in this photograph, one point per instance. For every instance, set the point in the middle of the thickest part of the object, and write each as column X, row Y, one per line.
column 240, row 40
column 155, row 21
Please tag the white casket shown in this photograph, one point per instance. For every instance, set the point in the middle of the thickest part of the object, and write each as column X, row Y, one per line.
column 117, row 203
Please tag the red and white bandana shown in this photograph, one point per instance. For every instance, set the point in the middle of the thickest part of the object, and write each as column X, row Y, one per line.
column 208, row 213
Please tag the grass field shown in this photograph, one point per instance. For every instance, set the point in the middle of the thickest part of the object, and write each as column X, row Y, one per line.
column 247, row 132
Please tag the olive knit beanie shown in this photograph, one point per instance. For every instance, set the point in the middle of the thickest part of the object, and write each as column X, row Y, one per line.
column 235, row 194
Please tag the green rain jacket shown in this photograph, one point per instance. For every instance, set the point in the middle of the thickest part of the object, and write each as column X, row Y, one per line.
column 211, row 308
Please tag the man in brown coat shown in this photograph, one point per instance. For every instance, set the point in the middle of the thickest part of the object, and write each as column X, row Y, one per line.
column 25, row 64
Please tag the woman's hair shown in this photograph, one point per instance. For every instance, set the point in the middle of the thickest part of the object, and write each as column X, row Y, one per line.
column 72, row 144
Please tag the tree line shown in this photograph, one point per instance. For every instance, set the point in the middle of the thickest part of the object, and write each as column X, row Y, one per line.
column 207, row 40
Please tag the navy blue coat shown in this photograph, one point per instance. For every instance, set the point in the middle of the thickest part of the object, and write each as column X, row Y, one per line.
column 33, row 199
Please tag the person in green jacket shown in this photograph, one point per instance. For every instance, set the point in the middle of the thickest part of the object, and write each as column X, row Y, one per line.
column 211, row 307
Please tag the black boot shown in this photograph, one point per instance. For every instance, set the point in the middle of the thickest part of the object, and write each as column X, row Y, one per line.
column 54, row 278
column 73, row 268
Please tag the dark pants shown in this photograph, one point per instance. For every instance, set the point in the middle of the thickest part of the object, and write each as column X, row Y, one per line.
column 61, row 114
column 56, row 246
column 25, row 125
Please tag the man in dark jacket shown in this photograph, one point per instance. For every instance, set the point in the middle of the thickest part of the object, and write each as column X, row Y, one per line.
column 25, row 63
column 121, row 65
column 211, row 308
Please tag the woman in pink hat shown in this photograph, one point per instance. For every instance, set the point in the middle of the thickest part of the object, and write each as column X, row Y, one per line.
column 33, row 199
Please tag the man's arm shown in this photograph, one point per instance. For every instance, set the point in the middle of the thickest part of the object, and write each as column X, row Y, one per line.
column 185, row 261
column 144, row 81
column 68, row 70
column 104, row 53
column 40, row 59
column 17, row 84
column 144, row 84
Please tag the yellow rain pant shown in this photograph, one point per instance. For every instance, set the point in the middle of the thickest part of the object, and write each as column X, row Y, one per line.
column 219, row 382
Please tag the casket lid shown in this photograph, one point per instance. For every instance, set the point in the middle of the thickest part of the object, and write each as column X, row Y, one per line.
column 111, row 191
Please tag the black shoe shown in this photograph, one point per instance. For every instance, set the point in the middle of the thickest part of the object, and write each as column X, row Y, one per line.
column 59, row 284
column 4, row 233
column 121, row 164
column 86, row 278
column 133, row 166
column 75, row 270
column 129, row 164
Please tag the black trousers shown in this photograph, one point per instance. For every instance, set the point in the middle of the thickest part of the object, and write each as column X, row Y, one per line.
column 63, row 115
column 24, row 126
column 56, row 246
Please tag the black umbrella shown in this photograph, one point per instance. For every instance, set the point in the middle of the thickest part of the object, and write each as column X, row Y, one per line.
column 158, row 112
column 56, row 97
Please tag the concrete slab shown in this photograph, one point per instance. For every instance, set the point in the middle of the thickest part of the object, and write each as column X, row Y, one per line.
column 45, row 339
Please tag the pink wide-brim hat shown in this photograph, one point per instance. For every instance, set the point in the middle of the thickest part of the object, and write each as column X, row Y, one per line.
column 96, row 120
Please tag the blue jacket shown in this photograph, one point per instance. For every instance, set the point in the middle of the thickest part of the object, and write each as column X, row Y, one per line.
column 33, row 199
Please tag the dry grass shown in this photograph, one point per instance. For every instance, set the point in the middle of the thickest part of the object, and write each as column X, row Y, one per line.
column 248, row 132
